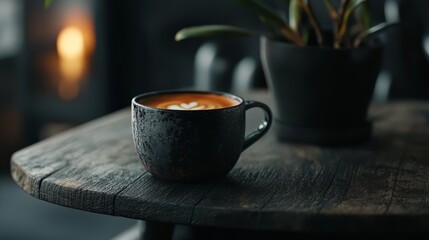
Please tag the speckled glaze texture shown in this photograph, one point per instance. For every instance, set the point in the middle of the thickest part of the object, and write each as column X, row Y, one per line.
column 188, row 145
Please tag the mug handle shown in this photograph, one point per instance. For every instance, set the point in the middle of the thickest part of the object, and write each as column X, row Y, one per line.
column 262, row 128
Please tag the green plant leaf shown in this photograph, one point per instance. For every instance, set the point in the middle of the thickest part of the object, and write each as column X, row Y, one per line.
column 379, row 28
column 47, row 3
column 306, row 6
column 291, row 35
column 214, row 30
column 291, row 31
column 264, row 10
column 295, row 16
column 272, row 20
column 296, row 20
column 350, row 8
column 363, row 16
column 331, row 10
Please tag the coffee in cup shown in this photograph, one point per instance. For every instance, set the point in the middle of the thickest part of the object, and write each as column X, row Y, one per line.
column 189, row 101
column 192, row 135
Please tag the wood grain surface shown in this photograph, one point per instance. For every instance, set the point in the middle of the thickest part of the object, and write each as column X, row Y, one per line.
column 382, row 185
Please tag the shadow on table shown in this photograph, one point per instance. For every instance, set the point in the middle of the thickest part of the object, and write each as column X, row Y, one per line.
column 206, row 233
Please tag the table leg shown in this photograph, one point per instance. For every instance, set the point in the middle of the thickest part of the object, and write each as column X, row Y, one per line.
column 156, row 230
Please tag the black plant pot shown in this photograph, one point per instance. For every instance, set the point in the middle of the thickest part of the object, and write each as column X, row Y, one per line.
column 321, row 94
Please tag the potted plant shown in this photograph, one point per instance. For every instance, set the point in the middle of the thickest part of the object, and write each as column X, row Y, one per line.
column 321, row 79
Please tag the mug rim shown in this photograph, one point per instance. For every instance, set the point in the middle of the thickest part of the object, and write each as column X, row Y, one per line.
column 152, row 93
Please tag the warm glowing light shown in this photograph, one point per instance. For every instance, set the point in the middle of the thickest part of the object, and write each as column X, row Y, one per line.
column 71, row 51
column 72, row 69
column 70, row 43
column 75, row 46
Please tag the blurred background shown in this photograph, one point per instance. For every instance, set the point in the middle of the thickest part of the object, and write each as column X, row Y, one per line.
column 80, row 59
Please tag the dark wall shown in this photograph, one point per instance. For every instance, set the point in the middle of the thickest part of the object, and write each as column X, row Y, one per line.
column 138, row 40
column 406, row 58
column 170, row 63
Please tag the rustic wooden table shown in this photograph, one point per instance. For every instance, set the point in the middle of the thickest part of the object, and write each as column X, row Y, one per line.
column 382, row 185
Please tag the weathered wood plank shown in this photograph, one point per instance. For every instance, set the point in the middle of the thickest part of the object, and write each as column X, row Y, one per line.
column 370, row 187
column 159, row 200
column 91, row 181
column 381, row 185
column 248, row 187
column 355, row 181
column 31, row 165
column 410, row 195
column 314, row 175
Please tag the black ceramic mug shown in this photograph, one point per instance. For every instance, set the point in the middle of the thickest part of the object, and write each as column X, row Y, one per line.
column 192, row 145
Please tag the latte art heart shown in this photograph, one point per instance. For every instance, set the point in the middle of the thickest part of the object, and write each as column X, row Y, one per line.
column 189, row 101
column 190, row 106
